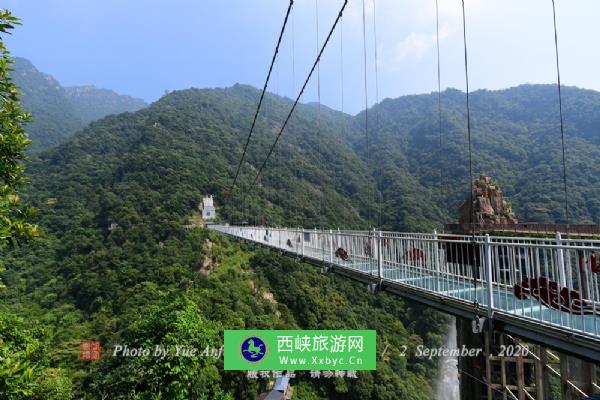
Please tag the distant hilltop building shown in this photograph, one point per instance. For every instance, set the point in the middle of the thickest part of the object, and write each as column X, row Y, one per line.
column 489, row 207
column 208, row 208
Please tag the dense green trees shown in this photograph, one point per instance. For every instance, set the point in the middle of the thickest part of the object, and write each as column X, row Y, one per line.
column 320, row 177
column 13, row 143
column 168, row 323
column 176, row 300
column 25, row 371
column 515, row 139
column 24, row 361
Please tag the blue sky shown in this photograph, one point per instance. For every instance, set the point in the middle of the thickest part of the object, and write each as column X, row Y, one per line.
column 143, row 48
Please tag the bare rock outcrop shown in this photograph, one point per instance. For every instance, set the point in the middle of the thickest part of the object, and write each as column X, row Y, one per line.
column 489, row 207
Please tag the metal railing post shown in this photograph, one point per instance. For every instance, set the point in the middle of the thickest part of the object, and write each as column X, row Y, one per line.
column 379, row 257
column 317, row 237
column 562, row 278
column 436, row 253
column 323, row 244
column 331, row 246
column 302, row 241
column 488, row 268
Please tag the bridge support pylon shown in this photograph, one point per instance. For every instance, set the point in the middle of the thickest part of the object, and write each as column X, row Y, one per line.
column 373, row 287
column 509, row 368
column 326, row 268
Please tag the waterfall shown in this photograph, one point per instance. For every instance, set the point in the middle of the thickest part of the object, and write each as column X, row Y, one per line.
column 447, row 386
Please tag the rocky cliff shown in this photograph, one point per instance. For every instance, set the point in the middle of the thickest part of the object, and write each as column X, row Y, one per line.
column 489, row 207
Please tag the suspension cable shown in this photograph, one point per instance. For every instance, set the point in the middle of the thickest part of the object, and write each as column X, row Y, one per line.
column 293, row 51
column 377, row 111
column 343, row 127
column 471, row 209
column 312, row 70
column 278, row 86
column 376, row 60
column 364, row 30
column 342, row 70
column 322, row 203
column 471, row 247
column 262, row 95
column 296, row 169
column 560, row 109
column 439, row 83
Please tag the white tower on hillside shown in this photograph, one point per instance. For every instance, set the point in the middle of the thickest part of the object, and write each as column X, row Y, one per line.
column 208, row 209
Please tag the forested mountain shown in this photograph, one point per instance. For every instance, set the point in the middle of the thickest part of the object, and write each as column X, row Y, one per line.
column 115, row 261
column 515, row 138
column 61, row 111
column 92, row 103
column 320, row 174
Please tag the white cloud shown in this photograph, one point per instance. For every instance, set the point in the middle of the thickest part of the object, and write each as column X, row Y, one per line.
column 415, row 46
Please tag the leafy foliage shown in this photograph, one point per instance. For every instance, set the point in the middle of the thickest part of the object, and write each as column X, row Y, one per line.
column 24, row 366
column 23, row 360
column 13, row 142
column 169, row 323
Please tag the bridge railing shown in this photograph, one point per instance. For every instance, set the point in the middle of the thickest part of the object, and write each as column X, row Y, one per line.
column 545, row 280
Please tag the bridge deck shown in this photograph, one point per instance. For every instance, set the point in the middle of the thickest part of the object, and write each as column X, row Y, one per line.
column 558, row 278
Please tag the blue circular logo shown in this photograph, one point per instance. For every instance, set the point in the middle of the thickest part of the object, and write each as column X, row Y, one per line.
column 254, row 349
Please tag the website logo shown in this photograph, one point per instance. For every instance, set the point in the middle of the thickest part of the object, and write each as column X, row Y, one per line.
column 289, row 350
column 253, row 349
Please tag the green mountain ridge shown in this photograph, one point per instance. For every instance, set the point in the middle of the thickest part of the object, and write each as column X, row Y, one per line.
column 515, row 138
column 61, row 111
column 320, row 174
column 92, row 103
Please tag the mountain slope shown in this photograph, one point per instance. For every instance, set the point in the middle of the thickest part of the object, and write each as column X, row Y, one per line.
column 92, row 103
column 323, row 177
column 54, row 116
column 204, row 131
column 117, row 264
column 515, row 138
column 58, row 112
